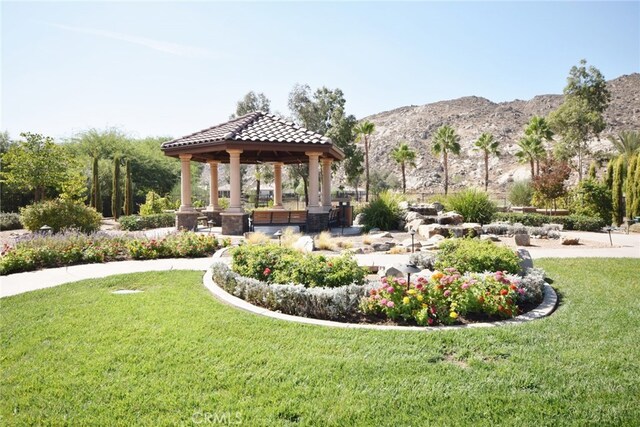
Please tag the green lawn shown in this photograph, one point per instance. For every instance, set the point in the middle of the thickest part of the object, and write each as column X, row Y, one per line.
column 79, row 355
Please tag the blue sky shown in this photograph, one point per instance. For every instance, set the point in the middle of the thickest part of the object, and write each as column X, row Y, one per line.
column 171, row 68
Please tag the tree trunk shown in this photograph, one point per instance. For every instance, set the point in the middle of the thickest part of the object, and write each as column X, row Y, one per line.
column 537, row 167
column 533, row 172
column 306, row 191
column 446, row 173
column 257, row 203
column 128, row 190
column 366, row 168
column 579, row 163
column 486, row 171
column 404, row 179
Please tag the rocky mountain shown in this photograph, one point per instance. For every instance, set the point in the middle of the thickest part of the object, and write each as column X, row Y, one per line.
column 470, row 116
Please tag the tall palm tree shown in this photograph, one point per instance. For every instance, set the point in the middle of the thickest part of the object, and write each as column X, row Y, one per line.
column 530, row 149
column 488, row 146
column 627, row 143
column 538, row 128
column 446, row 141
column 363, row 130
column 404, row 155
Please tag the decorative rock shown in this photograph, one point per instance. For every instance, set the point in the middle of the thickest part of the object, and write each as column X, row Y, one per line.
column 383, row 235
column 404, row 205
column 407, row 243
column 431, row 230
column 382, row 247
column 411, row 216
column 491, row 237
column 414, row 224
column 526, row 261
column 570, row 241
column 374, row 230
column 358, row 219
column 452, row 218
column 522, row 240
column 391, row 271
column 437, row 206
column 437, row 238
column 304, row 244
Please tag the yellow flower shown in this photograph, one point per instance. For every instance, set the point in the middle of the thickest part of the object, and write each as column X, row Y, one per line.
column 437, row 275
column 453, row 305
column 411, row 291
column 453, row 315
column 424, row 305
column 420, row 297
column 406, row 300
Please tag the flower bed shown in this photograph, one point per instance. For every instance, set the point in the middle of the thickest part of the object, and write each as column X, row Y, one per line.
column 37, row 251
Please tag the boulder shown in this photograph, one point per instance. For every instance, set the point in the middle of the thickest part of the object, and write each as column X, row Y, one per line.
column 382, row 246
column 412, row 216
column 304, row 244
column 492, row 237
column 570, row 241
column 437, row 206
column 522, row 240
column 432, row 229
column 414, row 224
column 374, row 230
column 407, row 243
column 383, row 235
column 403, row 205
column 358, row 219
column 450, row 218
column 526, row 261
column 390, row 271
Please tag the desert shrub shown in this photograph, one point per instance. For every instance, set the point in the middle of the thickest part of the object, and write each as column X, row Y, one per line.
column 9, row 221
column 496, row 228
column 59, row 215
column 337, row 303
column 278, row 264
column 533, row 285
column 257, row 238
column 136, row 222
column 528, row 219
column 384, row 212
column 324, row 241
column 471, row 255
column 445, row 296
column 473, row 204
column 520, row 193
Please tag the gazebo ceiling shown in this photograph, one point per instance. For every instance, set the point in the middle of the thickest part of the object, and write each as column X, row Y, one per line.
column 263, row 138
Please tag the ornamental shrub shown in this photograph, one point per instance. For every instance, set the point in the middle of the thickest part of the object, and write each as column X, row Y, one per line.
column 520, row 193
column 59, row 215
column 570, row 222
column 136, row 222
column 592, row 198
column 473, row 204
column 154, row 204
column 384, row 212
column 278, row 264
column 445, row 296
column 471, row 255
column 9, row 221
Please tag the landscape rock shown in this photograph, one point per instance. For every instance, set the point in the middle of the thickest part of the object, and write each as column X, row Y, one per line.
column 304, row 244
column 411, row 216
column 450, row 218
column 570, row 241
column 413, row 225
column 374, row 230
column 358, row 219
column 382, row 247
column 437, row 206
column 403, row 205
column 522, row 240
column 407, row 243
column 390, row 271
column 492, row 237
column 526, row 261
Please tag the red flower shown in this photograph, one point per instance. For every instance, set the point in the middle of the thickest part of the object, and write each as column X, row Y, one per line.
column 267, row 271
column 513, row 287
column 503, row 292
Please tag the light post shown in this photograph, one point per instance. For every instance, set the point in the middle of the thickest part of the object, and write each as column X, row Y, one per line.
column 413, row 233
column 210, row 224
column 278, row 234
column 408, row 269
column 45, row 229
column 608, row 230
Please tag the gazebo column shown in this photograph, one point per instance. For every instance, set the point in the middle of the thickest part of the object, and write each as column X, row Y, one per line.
column 213, row 210
column 186, row 217
column 277, row 187
column 326, row 183
column 234, row 221
column 317, row 219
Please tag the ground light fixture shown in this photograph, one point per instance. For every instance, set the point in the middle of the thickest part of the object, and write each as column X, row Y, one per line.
column 210, row 224
column 408, row 269
column 45, row 229
column 413, row 233
column 278, row 234
column 608, row 230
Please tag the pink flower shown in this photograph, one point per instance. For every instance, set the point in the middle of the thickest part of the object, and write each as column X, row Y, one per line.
column 465, row 285
column 419, row 286
column 267, row 271
column 383, row 301
column 383, row 280
column 447, row 293
column 430, row 321
column 372, row 292
column 402, row 281
column 390, row 289
column 521, row 291
column 390, row 304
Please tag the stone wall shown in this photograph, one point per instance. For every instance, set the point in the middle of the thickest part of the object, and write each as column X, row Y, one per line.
column 187, row 220
column 317, row 222
column 234, row 224
column 213, row 216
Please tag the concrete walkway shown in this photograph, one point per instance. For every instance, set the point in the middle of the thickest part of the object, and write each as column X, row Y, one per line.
column 627, row 246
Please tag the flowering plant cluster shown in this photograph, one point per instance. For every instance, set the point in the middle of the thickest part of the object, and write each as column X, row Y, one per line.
column 445, row 296
column 72, row 247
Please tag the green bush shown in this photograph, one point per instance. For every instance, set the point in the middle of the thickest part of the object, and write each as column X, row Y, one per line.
column 136, row 222
column 9, row 221
column 520, row 193
column 471, row 255
column 277, row 264
column 154, row 204
column 592, row 198
column 384, row 212
column 473, row 204
column 569, row 222
column 59, row 215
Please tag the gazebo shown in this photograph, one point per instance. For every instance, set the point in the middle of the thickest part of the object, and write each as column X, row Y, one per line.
column 255, row 138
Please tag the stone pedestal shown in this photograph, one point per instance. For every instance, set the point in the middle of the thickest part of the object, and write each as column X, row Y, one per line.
column 234, row 224
column 187, row 220
column 317, row 221
column 213, row 216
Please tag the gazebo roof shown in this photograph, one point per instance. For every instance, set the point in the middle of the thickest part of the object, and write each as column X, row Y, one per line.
column 262, row 137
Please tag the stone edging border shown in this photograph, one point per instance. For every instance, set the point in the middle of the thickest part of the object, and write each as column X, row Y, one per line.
column 545, row 308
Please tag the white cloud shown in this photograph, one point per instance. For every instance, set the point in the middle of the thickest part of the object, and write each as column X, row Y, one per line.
column 162, row 46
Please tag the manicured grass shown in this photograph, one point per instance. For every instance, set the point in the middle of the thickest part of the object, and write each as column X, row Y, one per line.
column 79, row 355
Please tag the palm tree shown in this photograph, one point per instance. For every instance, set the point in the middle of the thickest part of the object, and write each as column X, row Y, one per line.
column 530, row 149
column 363, row 130
column 538, row 128
column 446, row 141
column 627, row 143
column 403, row 155
column 488, row 146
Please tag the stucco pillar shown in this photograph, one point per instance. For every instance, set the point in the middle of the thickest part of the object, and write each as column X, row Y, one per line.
column 277, row 186
column 326, row 183
column 235, row 203
column 313, row 206
column 185, row 183
column 213, row 185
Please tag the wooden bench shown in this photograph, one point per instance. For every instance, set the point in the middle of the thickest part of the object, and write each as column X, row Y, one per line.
column 334, row 218
column 279, row 217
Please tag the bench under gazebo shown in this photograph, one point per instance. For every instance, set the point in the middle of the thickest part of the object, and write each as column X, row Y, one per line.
column 255, row 138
